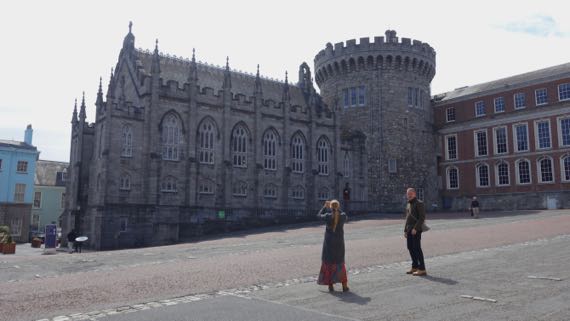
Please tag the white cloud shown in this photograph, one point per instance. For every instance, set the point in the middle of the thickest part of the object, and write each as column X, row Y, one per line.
column 537, row 25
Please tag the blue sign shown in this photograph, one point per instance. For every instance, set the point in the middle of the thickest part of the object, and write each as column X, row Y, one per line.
column 51, row 236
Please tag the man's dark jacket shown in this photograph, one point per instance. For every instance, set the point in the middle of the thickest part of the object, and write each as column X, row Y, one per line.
column 415, row 215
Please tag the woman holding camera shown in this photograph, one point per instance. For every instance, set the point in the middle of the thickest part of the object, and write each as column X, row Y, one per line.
column 333, row 269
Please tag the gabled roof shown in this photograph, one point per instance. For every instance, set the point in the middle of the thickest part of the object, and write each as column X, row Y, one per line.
column 521, row 80
column 178, row 69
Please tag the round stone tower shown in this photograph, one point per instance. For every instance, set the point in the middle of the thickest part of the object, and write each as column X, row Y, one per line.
column 382, row 89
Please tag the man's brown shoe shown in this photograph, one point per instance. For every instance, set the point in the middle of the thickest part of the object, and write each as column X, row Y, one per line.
column 412, row 271
column 420, row 273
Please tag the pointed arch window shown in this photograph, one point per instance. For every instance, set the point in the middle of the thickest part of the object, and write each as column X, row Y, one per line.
column 323, row 149
column 269, row 150
column 206, row 186
column 324, row 194
column 298, row 192
column 206, row 134
column 240, row 189
column 168, row 184
column 270, row 191
column 125, row 182
column 239, row 146
column 297, row 153
column 347, row 165
column 171, row 138
column 127, row 146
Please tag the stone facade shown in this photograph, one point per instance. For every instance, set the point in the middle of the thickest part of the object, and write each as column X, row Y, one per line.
column 177, row 144
column 395, row 117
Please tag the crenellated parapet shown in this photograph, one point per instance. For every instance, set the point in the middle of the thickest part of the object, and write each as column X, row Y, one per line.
column 389, row 52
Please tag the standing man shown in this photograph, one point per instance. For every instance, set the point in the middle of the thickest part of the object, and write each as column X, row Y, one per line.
column 71, row 240
column 475, row 207
column 415, row 217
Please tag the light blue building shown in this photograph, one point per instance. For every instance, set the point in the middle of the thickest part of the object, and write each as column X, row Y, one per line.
column 49, row 194
column 17, row 174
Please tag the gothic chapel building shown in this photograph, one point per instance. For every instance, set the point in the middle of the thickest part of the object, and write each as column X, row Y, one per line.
column 176, row 143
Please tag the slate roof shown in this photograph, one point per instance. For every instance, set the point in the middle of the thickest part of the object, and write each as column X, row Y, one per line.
column 537, row 76
column 16, row 144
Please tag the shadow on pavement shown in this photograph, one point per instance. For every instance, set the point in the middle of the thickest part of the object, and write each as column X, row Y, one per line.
column 351, row 297
column 440, row 280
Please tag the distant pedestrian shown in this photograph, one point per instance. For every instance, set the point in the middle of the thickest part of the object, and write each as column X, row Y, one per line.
column 475, row 207
column 415, row 218
column 346, row 196
column 79, row 243
column 71, row 240
column 333, row 269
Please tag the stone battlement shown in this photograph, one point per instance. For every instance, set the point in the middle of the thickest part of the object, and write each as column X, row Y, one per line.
column 387, row 52
column 390, row 43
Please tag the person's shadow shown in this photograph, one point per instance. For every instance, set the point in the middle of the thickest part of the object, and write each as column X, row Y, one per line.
column 351, row 297
column 439, row 280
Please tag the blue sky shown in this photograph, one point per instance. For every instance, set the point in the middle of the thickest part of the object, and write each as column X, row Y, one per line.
column 54, row 50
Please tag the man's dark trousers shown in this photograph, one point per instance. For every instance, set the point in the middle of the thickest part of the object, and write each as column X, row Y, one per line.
column 415, row 248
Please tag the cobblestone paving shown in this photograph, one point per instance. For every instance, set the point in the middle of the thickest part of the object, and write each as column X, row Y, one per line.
column 70, row 284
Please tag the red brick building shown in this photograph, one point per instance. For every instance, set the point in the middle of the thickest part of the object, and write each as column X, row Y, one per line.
column 506, row 141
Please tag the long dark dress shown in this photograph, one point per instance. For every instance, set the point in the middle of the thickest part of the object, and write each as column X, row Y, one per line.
column 333, row 269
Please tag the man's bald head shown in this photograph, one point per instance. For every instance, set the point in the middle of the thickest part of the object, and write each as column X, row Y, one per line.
column 411, row 193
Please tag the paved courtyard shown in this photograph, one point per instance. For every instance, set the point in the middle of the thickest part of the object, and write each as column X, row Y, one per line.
column 505, row 266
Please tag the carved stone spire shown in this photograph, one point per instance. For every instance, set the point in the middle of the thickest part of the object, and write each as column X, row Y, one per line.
column 286, row 95
column 227, row 75
column 129, row 41
column 155, row 67
column 74, row 119
column 99, row 101
column 193, row 77
column 257, row 90
column 83, row 112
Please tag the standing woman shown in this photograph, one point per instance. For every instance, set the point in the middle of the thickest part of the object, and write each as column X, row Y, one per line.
column 333, row 269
